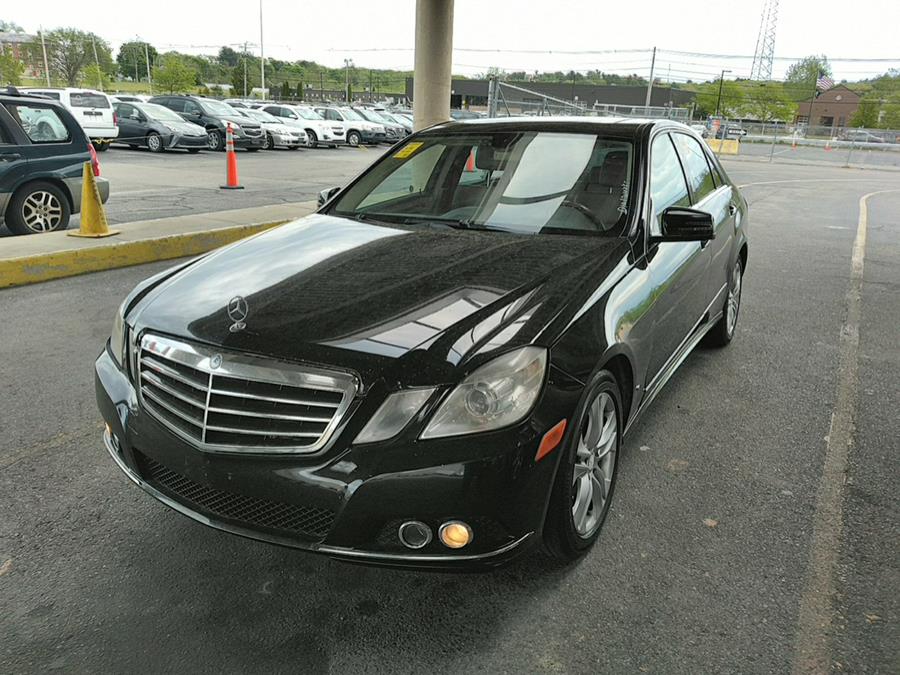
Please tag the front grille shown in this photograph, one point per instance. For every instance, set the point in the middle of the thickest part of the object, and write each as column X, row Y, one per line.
column 231, row 402
column 254, row 133
column 308, row 521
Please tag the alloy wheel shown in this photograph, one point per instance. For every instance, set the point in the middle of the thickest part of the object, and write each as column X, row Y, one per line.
column 311, row 139
column 733, row 304
column 154, row 142
column 213, row 140
column 42, row 212
column 595, row 463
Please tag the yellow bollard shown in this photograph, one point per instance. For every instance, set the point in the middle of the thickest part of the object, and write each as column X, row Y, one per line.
column 93, row 218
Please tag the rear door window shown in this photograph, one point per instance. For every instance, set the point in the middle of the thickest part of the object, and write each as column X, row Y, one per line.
column 192, row 108
column 87, row 99
column 175, row 104
column 41, row 124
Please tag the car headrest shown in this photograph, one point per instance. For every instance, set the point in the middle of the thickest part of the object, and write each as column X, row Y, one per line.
column 613, row 172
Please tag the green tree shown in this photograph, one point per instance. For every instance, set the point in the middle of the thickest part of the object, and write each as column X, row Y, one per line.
column 237, row 76
column 730, row 104
column 880, row 105
column 801, row 76
column 10, row 27
column 767, row 101
column 94, row 77
column 285, row 90
column 69, row 50
column 229, row 57
column 11, row 69
column 174, row 75
column 132, row 58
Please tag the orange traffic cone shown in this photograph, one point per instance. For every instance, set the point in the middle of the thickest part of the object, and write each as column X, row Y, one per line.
column 794, row 141
column 470, row 162
column 828, row 145
column 231, row 172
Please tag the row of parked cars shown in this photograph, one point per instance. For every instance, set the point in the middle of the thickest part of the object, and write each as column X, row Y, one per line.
column 195, row 123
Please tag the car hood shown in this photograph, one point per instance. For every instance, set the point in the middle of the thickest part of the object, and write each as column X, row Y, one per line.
column 239, row 120
column 372, row 298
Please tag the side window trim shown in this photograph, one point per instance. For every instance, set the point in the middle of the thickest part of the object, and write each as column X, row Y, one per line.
column 712, row 172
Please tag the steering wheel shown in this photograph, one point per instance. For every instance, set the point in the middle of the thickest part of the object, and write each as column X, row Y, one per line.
column 586, row 212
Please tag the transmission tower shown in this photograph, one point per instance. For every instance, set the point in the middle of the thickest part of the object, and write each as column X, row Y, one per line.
column 765, row 42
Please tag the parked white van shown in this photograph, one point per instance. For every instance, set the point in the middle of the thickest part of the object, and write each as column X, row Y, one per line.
column 92, row 109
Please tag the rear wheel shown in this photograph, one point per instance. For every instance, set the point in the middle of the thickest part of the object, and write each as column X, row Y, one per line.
column 311, row 139
column 100, row 146
column 586, row 476
column 155, row 142
column 722, row 333
column 38, row 207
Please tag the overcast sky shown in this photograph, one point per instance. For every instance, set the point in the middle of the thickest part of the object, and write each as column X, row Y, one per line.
column 329, row 32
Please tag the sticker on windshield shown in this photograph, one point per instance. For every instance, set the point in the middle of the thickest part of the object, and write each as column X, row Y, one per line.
column 408, row 149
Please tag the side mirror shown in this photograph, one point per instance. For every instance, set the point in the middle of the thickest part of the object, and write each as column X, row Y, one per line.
column 326, row 195
column 682, row 224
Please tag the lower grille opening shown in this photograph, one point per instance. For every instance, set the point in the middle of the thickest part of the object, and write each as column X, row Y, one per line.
column 309, row 522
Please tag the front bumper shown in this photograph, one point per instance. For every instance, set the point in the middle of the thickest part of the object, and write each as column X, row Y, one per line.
column 179, row 141
column 373, row 137
column 250, row 141
column 350, row 500
column 285, row 141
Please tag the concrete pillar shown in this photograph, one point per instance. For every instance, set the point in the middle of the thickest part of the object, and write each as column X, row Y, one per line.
column 433, row 60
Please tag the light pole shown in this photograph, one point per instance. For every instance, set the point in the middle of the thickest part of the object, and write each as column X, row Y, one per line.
column 719, row 98
column 348, row 64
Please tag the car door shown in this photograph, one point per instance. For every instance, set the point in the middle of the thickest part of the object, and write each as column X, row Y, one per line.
column 129, row 129
column 13, row 157
column 677, row 269
column 194, row 113
column 711, row 194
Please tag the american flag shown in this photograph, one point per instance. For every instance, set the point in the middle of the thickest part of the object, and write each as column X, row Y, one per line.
column 824, row 83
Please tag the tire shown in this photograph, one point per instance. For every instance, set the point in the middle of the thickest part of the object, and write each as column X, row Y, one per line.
column 722, row 333
column 155, row 142
column 573, row 526
column 100, row 146
column 353, row 139
column 312, row 140
column 270, row 142
column 214, row 140
column 38, row 207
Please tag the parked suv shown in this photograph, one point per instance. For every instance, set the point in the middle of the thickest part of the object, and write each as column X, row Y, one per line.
column 42, row 154
column 356, row 129
column 316, row 128
column 393, row 131
column 93, row 110
column 213, row 116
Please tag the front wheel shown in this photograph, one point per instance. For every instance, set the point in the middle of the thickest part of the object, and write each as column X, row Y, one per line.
column 586, row 476
column 214, row 140
column 270, row 142
column 311, row 139
column 155, row 142
column 353, row 139
column 722, row 333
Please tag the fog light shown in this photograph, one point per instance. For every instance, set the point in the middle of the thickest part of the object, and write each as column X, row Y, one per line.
column 455, row 534
column 414, row 534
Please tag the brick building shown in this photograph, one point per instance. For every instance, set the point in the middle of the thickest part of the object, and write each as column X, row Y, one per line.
column 22, row 47
column 833, row 108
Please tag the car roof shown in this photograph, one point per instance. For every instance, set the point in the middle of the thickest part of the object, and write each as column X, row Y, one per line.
column 619, row 126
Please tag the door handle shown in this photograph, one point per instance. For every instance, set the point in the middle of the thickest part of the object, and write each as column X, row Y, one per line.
column 732, row 209
column 10, row 156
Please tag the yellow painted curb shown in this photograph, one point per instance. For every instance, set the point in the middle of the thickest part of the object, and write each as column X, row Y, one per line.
column 111, row 255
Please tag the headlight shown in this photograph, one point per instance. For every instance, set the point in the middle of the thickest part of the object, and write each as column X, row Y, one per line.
column 117, row 341
column 170, row 127
column 236, row 128
column 394, row 414
column 500, row 393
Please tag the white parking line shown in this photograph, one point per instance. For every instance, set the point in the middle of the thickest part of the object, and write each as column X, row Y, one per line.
column 813, row 653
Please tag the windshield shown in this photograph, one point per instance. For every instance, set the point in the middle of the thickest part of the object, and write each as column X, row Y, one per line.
column 308, row 114
column 213, row 107
column 350, row 114
column 159, row 112
column 262, row 116
column 370, row 115
column 528, row 182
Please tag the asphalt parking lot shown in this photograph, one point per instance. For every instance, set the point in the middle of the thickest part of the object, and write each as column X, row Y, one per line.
column 704, row 565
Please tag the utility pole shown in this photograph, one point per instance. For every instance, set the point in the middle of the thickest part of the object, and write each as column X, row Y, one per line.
column 650, row 83
column 719, row 97
column 245, row 70
column 321, row 85
column 97, row 63
column 262, row 55
column 147, row 56
column 44, row 49
column 348, row 64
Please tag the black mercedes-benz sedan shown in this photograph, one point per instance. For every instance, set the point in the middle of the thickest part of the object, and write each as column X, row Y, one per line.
column 438, row 368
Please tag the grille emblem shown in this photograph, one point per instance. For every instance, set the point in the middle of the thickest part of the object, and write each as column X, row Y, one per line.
column 215, row 361
column 237, row 311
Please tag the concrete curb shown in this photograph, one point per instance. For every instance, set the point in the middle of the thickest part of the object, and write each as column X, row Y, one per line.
column 33, row 269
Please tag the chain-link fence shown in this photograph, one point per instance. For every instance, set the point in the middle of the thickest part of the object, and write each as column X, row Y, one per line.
column 779, row 142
